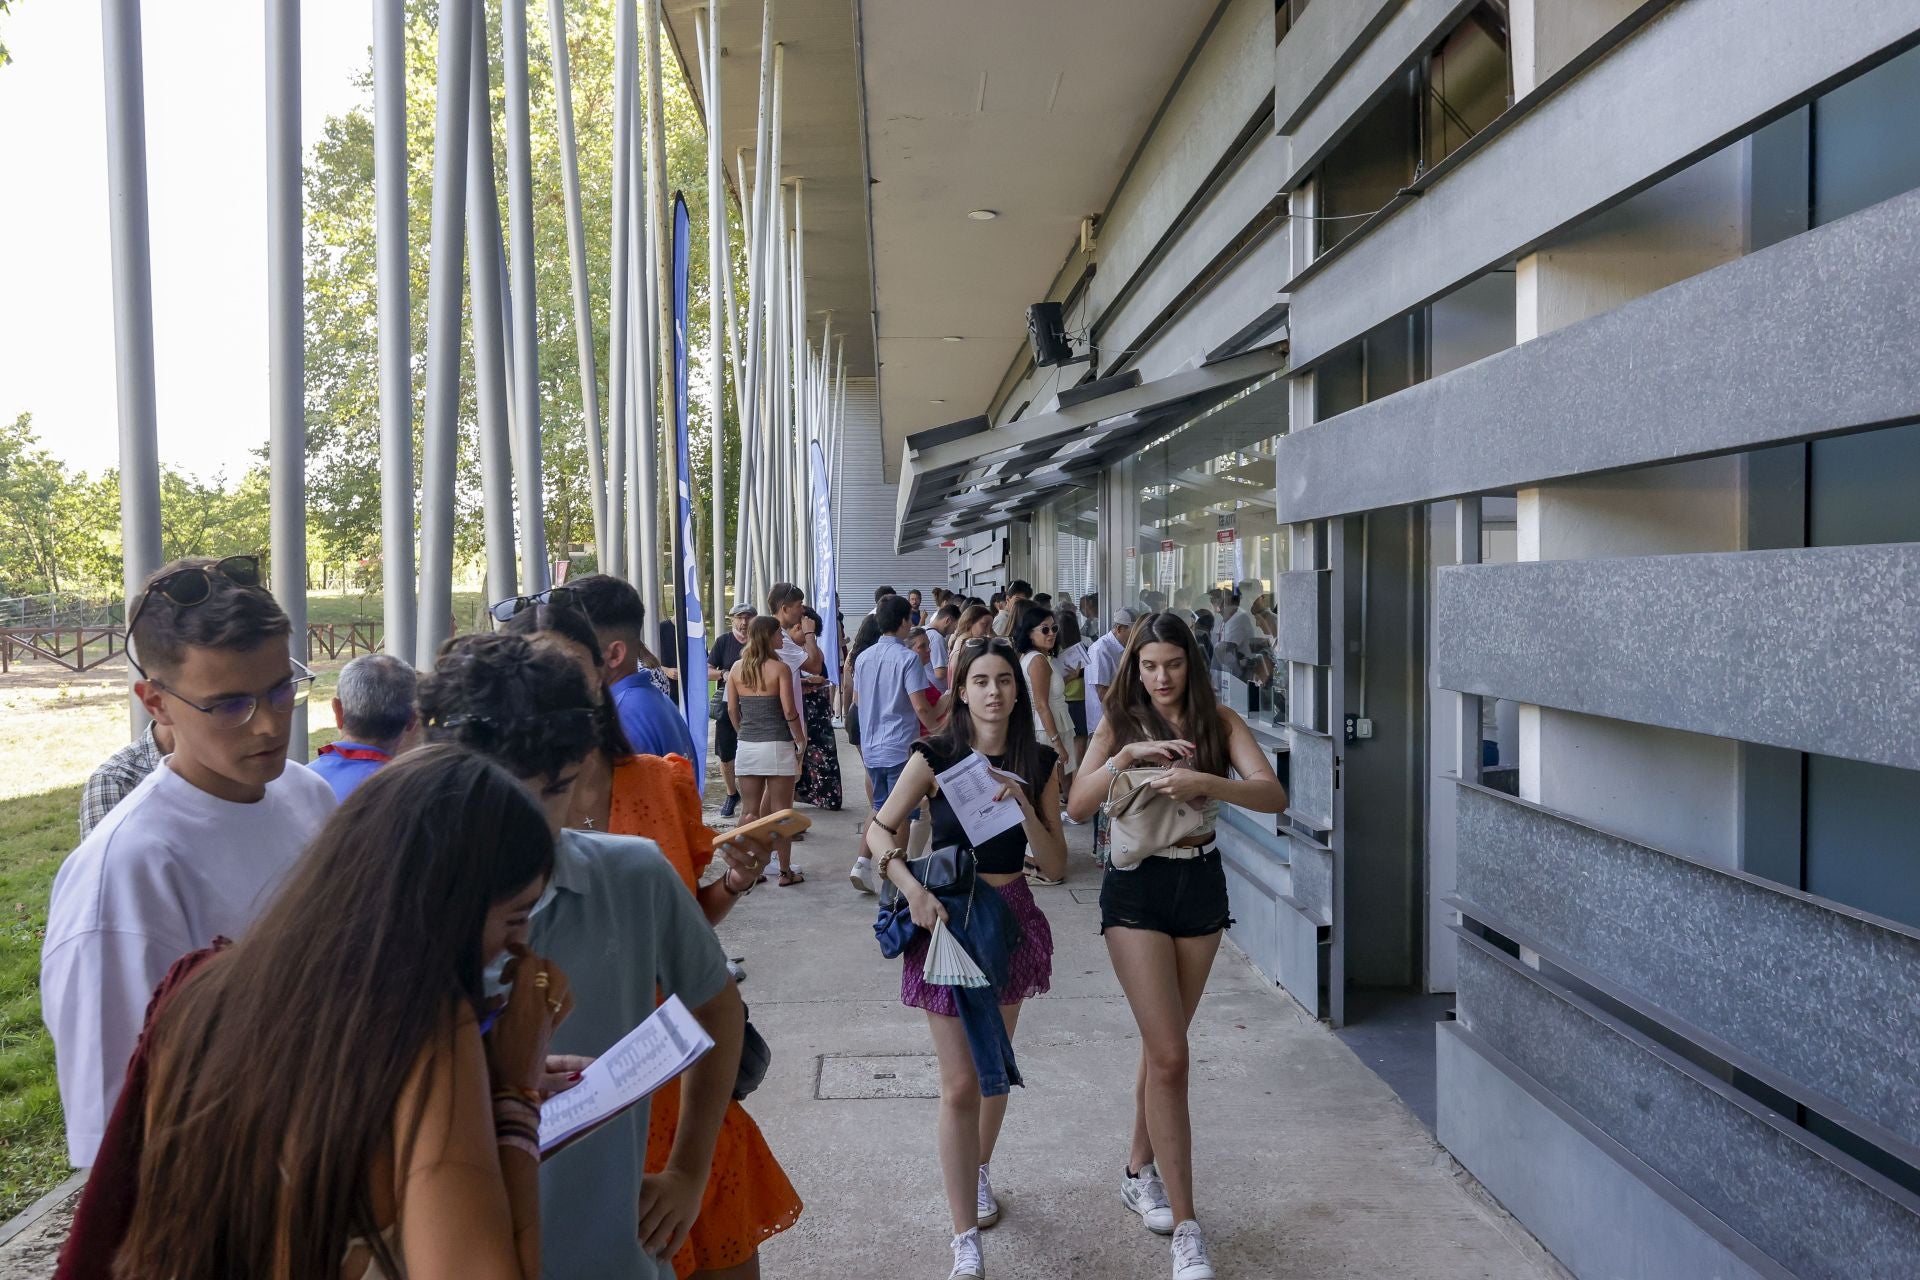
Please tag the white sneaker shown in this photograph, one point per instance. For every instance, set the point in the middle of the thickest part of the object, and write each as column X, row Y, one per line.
column 773, row 869
column 1190, row 1261
column 987, row 1207
column 966, row 1258
column 1146, row 1195
column 863, row 876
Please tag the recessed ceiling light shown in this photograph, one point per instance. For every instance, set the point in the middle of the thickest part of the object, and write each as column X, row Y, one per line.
column 952, row 337
column 936, row 402
column 984, row 215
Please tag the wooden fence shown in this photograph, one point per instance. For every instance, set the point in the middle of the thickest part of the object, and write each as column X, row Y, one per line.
column 80, row 649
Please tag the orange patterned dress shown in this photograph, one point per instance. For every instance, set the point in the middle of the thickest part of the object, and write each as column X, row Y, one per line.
column 748, row 1196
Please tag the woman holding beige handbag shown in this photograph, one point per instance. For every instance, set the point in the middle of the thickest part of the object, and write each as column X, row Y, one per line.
column 1159, row 766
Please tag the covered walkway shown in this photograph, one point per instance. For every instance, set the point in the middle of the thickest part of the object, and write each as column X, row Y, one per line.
column 1309, row 1165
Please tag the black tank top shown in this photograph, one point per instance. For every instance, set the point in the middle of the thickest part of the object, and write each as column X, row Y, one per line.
column 1006, row 853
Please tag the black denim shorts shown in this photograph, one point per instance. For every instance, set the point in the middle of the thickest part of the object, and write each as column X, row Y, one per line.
column 1180, row 897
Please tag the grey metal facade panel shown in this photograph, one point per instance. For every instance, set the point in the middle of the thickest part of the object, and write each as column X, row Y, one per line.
column 1817, row 1212
column 1300, row 605
column 1311, row 56
column 1816, row 648
column 1714, row 369
column 1826, row 997
column 1313, row 880
column 1409, row 32
column 864, row 519
column 1310, row 793
column 1597, row 1207
column 1299, row 951
column 1694, row 78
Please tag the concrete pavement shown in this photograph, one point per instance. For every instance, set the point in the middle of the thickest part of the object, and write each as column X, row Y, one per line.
column 1308, row 1165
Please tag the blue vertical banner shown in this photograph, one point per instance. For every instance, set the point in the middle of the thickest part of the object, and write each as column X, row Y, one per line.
column 693, row 628
column 825, row 576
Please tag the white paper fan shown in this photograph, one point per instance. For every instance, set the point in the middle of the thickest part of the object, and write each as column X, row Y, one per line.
column 948, row 964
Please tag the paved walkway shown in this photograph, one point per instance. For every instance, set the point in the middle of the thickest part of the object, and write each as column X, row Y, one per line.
column 1309, row 1165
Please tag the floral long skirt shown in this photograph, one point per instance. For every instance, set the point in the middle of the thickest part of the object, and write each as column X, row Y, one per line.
column 819, row 783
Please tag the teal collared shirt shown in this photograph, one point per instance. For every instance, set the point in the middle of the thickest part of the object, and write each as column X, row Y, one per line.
column 622, row 926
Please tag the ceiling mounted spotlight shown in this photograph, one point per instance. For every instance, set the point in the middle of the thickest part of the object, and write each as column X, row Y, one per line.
column 984, row 215
column 952, row 337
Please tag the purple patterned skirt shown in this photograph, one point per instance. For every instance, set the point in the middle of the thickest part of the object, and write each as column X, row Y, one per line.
column 1029, row 974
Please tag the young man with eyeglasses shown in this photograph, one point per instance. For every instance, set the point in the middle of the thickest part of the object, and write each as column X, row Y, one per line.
column 196, row 850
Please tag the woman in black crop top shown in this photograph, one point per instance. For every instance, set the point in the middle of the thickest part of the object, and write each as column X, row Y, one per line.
column 987, row 710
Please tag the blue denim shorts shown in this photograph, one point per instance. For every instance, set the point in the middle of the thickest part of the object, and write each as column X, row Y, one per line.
column 883, row 779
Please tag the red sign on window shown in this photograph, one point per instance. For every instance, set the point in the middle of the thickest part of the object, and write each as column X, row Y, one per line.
column 1166, row 544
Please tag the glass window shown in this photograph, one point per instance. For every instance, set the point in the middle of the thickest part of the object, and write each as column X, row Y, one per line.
column 1076, row 543
column 1206, row 527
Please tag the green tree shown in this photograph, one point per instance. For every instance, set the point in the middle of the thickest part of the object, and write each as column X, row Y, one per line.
column 32, row 515
column 342, row 321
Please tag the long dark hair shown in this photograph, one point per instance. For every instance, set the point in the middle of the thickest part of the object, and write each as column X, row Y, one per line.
column 1032, row 615
column 1022, row 754
column 278, row 1067
column 569, row 622
column 1129, row 708
column 1069, row 623
column 865, row 638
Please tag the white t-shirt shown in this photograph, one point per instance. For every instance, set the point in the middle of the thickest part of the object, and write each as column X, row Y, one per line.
column 1103, row 664
column 936, row 650
column 1240, row 630
column 170, row 869
column 795, row 656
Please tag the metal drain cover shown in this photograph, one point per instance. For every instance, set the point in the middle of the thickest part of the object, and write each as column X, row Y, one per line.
column 882, row 1076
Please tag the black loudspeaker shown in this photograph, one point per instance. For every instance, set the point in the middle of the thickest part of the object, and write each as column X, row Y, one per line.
column 1047, row 335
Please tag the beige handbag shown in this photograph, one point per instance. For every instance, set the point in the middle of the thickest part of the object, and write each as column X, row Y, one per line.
column 1141, row 821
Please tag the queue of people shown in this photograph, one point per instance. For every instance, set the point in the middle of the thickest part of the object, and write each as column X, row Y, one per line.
column 483, row 837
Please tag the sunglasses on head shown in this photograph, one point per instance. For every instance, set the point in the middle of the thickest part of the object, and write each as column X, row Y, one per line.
column 975, row 642
column 559, row 597
column 194, row 584
column 191, row 586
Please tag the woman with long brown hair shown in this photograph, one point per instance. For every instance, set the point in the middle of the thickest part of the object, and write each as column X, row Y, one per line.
column 322, row 1103
column 988, row 712
column 975, row 620
column 1163, row 917
column 773, row 735
column 819, row 782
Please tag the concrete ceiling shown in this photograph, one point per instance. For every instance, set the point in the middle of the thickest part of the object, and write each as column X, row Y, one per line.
column 820, row 141
column 1030, row 108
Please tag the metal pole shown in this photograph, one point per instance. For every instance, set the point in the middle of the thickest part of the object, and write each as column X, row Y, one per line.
column 802, row 400
column 664, row 478
column 132, row 304
column 396, row 324
column 446, row 258
column 708, row 47
column 528, row 478
column 577, row 260
column 489, row 329
column 619, row 425
column 286, row 336
column 642, row 449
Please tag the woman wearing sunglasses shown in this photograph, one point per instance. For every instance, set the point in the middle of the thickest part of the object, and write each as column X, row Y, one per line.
column 987, row 712
column 1163, row 917
column 197, row 848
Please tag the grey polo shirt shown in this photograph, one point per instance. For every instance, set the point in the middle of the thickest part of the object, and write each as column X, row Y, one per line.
column 620, row 924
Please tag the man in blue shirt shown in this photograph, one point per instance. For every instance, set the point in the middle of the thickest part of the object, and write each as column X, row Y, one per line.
column 374, row 709
column 890, row 689
column 653, row 725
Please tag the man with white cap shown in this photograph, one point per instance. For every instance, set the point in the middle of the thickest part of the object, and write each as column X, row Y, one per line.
column 726, row 739
column 1103, row 664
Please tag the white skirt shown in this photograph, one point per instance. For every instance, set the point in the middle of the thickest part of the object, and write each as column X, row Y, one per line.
column 766, row 760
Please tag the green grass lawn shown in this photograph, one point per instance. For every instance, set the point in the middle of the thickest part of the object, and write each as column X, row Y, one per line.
column 56, row 735
column 343, row 609
column 36, row 832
